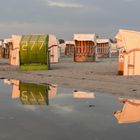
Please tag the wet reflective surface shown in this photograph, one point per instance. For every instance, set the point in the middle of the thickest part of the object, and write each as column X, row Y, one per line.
column 130, row 112
column 40, row 112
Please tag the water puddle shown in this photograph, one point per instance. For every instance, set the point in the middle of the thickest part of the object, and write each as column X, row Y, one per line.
column 47, row 111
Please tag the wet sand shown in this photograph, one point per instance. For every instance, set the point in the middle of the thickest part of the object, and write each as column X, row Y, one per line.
column 98, row 76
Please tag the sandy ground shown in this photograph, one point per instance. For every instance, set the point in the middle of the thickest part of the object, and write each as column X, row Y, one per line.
column 98, row 76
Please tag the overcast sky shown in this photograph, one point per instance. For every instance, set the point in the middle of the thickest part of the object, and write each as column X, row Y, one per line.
column 66, row 17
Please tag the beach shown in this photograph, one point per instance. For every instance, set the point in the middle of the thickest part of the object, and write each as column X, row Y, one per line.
column 100, row 76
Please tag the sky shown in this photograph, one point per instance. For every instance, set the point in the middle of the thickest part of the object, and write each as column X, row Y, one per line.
column 63, row 18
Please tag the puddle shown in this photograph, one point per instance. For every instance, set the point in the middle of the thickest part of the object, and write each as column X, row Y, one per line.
column 47, row 111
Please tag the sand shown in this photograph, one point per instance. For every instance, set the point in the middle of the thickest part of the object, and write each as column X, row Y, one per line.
column 98, row 76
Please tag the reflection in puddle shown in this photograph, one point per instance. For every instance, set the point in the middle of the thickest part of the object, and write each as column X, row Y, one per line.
column 39, row 94
column 32, row 94
column 83, row 95
column 130, row 112
column 15, row 91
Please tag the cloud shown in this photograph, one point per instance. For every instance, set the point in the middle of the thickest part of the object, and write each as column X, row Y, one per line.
column 62, row 4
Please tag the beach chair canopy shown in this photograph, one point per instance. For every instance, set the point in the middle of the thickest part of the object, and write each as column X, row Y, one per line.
column 128, row 40
column 85, row 37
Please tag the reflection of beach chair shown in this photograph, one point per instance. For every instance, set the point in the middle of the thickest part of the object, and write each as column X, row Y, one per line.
column 83, row 95
column 130, row 112
column 15, row 90
column 34, row 94
column 52, row 91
